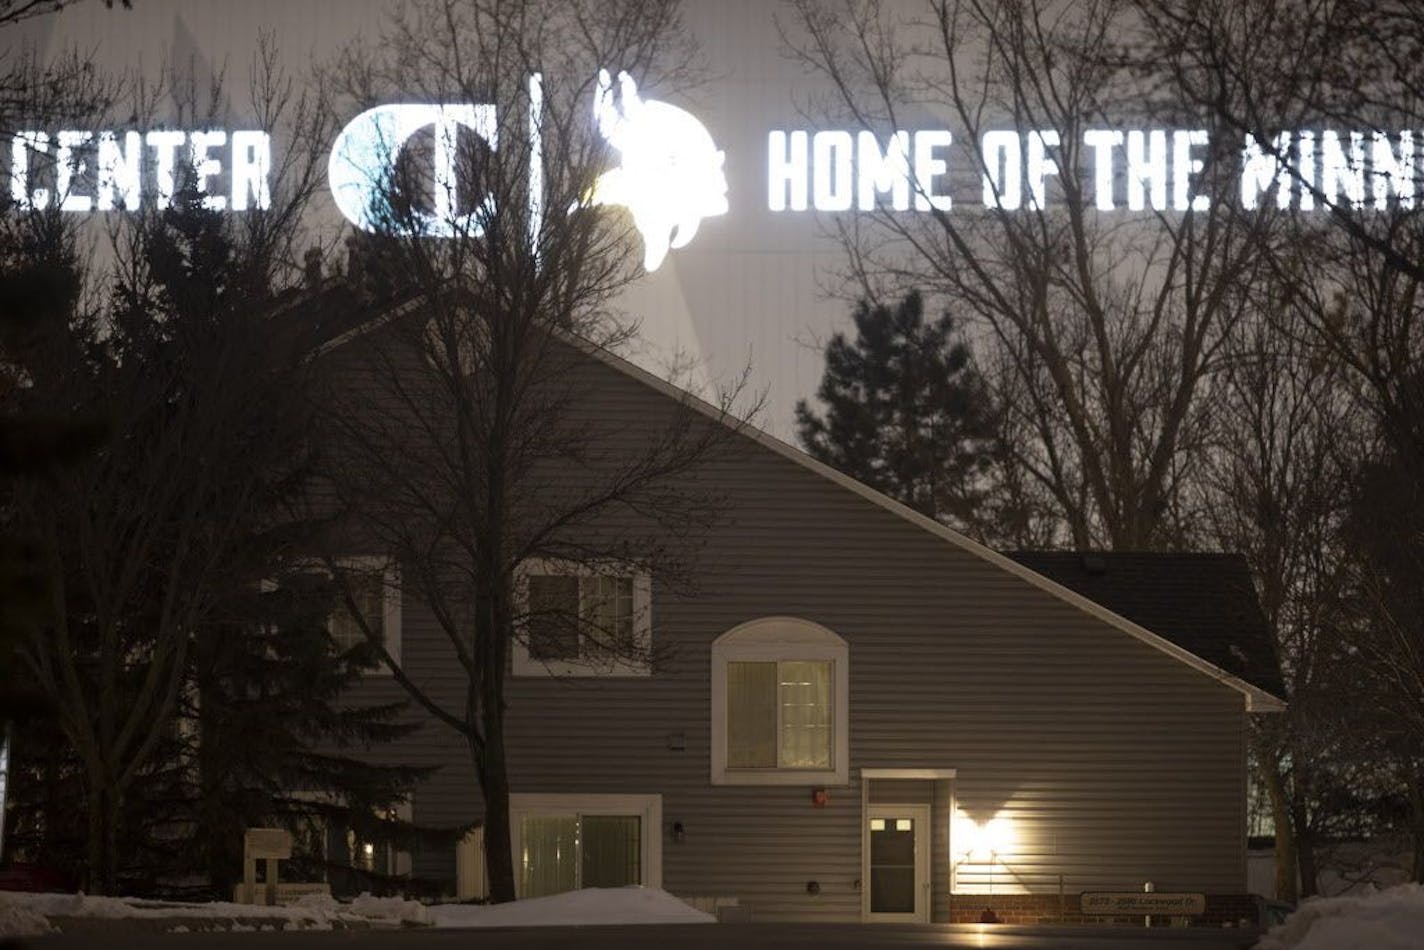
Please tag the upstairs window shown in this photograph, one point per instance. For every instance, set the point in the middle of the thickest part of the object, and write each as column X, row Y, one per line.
column 580, row 620
column 374, row 591
column 779, row 704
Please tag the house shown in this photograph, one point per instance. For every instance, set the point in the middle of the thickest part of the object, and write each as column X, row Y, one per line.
column 860, row 714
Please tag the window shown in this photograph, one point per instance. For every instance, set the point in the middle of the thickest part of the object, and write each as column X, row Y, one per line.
column 567, row 842
column 780, row 702
column 373, row 586
column 578, row 620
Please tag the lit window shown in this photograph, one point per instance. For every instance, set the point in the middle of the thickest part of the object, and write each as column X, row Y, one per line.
column 779, row 714
column 779, row 704
column 581, row 621
column 567, row 842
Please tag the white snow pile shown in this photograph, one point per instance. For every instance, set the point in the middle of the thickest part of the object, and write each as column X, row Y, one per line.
column 24, row 914
column 395, row 909
column 591, row 906
column 1391, row 919
column 20, row 921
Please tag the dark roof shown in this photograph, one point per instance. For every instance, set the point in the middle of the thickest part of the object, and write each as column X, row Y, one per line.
column 1204, row 603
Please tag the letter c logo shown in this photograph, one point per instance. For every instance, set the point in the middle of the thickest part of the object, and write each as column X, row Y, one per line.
column 361, row 170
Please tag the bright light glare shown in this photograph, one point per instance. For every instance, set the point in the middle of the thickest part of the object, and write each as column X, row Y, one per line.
column 670, row 174
column 977, row 842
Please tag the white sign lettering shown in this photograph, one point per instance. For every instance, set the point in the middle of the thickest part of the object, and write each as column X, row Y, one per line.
column 1143, row 169
column 106, row 171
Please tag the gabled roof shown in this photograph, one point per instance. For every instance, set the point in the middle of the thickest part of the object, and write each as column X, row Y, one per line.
column 1257, row 697
column 1202, row 601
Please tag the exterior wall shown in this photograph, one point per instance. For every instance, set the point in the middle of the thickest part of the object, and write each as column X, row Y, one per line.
column 1116, row 763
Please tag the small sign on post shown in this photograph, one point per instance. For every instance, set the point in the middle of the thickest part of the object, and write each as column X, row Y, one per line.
column 266, row 844
column 1139, row 903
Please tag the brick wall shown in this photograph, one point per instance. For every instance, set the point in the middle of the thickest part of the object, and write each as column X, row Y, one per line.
column 1222, row 910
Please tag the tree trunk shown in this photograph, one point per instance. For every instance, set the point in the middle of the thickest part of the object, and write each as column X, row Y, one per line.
column 1305, row 852
column 1287, row 862
column 494, row 782
column 111, row 840
column 104, row 807
column 1416, row 823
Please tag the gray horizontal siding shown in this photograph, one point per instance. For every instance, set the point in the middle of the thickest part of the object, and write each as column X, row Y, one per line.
column 1117, row 763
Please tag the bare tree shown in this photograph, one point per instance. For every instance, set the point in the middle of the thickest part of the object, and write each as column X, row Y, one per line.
column 1275, row 486
column 1103, row 330
column 138, row 540
column 466, row 409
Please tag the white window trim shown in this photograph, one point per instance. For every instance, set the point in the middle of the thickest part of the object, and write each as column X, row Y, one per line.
column 525, row 665
column 390, row 599
column 649, row 808
column 390, row 603
column 776, row 639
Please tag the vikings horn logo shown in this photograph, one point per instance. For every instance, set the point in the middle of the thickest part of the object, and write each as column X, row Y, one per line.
column 671, row 173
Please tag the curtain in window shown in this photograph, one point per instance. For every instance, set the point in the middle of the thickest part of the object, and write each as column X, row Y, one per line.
column 553, row 617
column 608, row 609
column 751, row 715
column 368, row 590
column 805, row 696
column 549, row 862
column 611, row 850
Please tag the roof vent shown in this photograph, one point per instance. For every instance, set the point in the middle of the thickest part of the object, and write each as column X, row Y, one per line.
column 1095, row 564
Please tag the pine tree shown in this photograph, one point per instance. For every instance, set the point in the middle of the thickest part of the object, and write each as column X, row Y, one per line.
column 186, row 627
column 905, row 411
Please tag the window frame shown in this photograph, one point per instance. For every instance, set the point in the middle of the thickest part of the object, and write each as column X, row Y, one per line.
column 390, row 600
column 525, row 665
column 648, row 808
column 778, row 639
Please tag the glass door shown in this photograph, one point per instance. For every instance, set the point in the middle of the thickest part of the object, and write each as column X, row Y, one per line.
column 897, row 863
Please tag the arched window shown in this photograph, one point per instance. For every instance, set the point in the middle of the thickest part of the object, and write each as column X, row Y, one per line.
column 780, row 704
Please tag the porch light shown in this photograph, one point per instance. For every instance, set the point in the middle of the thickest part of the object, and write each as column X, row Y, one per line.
column 975, row 842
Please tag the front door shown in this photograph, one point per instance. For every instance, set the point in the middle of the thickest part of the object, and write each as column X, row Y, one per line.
column 897, row 864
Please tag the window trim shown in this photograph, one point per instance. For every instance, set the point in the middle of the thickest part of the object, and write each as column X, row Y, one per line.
column 649, row 808
column 524, row 665
column 390, row 599
column 775, row 639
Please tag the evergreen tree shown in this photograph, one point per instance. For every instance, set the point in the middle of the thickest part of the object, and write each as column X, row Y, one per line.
column 193, row 697
column 39, row 287
column 905, row 411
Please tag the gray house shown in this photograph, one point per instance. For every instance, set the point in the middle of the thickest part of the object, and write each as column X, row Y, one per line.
column 862, row 714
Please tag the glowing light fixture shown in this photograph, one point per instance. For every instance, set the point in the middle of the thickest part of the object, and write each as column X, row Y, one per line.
column 976, row 842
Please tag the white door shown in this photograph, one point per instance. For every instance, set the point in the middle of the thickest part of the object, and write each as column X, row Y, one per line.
column 896, row 871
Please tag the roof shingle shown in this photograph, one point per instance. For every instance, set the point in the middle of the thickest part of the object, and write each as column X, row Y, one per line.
column 1203, row 602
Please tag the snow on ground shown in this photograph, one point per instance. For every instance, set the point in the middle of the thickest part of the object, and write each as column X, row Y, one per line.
column 23, row 914
column 1391, row 919
column 592, row 905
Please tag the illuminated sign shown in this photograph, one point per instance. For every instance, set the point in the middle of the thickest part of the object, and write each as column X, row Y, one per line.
column 1141, row 169
column 671, row 173
column 669, row 178
column 360, row 171
column 81, row 171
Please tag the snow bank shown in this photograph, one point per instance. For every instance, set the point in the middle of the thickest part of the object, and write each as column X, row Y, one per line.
column 389, row 909
column 590, row 906
column 1391, row 919
column 27, row 914
column 19, row 921
column 24, row 914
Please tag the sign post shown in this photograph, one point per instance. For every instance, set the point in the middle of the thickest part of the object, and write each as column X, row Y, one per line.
column 267, row 844
column 1146, row 904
